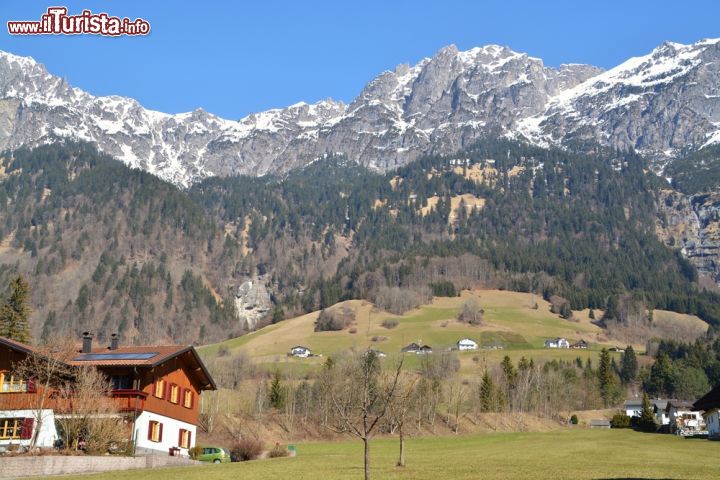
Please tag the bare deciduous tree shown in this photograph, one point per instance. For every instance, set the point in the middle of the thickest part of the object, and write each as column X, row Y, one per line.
column 400, row 409
column 361, row 393
column 472, row 312
column 46, row 367
column 92, row 416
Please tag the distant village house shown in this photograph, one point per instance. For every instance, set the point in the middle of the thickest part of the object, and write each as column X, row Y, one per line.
column 684, row 419
column 467, row 344
column 300, row 351
column 557, row 343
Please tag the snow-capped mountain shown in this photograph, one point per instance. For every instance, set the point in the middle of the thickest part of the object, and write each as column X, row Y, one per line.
column 658, row 103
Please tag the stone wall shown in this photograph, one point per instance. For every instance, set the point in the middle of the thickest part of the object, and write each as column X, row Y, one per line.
column 36, row 466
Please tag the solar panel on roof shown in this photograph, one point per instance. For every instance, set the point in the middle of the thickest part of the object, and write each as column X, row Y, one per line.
column 88, row 357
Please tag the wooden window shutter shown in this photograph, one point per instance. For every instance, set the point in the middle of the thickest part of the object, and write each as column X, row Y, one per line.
column 26, row 430
column 31, row 388
column 150, row 430
column 160, row 433
column 192, row 398
column 180, row 435
column 189, row 444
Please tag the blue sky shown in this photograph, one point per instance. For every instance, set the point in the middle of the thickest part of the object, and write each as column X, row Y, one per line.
column 233, row 58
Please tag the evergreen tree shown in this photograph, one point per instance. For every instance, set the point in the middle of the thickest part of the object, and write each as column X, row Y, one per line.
column 628, row 366
column 278, row 314
column 565, row 311
column 276, row 393
column 487, row 393
column 661, row 379
column 647, row 416
column 509, row 371
column 611, row 308
column 606, row 376
column 14, row 313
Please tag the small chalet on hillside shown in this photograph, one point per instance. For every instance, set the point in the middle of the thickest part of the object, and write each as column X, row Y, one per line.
column 300, row 351
column 581, row 345
column 410, row 348
column 710, row 404
column 467, row 344
column 557, row 343
column 155, row 387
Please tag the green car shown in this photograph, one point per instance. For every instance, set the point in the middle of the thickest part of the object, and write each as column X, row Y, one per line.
column 214, row 454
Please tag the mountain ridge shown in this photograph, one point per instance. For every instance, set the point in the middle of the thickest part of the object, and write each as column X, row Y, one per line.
column 437, row 106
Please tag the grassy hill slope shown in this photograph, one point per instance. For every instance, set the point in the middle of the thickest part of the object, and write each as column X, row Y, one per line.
column 510, row 322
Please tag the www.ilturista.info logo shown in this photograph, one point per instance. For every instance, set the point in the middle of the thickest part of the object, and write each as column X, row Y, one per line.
column 57, row 22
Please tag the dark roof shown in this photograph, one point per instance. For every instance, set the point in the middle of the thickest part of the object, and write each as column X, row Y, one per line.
column 709, row 401
column 679, row 404
column 134, row 356
column 633, row 403
column 15, row 345
column 148, row 356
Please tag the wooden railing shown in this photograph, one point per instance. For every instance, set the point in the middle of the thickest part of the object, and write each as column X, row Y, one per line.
column 129, row 400
column 18, row 400
column 124, row 400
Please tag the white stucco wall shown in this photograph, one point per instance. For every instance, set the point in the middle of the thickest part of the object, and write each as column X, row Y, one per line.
column 171, row 431
column 713, row 423
column 48, row 432
column 633, row 412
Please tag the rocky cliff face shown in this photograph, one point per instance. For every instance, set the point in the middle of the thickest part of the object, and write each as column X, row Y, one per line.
column 690, row 223
column 252, row 301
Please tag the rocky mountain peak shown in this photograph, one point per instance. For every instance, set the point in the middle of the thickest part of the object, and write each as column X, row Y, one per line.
column 658, row 103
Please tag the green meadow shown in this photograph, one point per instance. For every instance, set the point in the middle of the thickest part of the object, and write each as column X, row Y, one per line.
column 562, row 454
column 515, row 324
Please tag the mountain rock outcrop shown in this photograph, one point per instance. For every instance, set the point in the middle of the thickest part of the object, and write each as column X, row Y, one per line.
column 659, row 104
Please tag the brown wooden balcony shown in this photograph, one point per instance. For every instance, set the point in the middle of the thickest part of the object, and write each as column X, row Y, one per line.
column 129, row 400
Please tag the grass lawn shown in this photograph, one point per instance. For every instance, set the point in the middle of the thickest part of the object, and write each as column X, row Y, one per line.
column 569, row 454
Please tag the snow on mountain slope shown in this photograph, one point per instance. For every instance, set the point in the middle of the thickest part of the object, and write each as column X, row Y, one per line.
column 658, row 103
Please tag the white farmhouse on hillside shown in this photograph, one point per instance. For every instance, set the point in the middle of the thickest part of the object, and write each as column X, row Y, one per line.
column 557, row 343
column 467, row 344
column 300, row 351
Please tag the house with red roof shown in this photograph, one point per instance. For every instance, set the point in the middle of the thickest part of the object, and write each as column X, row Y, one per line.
column 155, row 387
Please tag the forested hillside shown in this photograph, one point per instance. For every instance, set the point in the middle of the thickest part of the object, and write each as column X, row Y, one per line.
column 498, row 214
column 108, row 248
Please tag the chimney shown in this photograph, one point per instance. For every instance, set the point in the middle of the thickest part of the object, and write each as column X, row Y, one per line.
column 114, row 341
column 87, row 342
